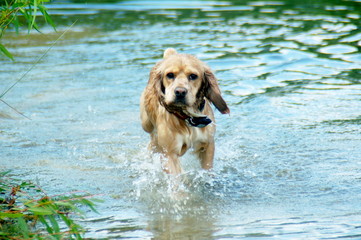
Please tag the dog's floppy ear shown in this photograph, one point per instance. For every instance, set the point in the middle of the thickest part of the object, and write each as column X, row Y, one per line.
column 212, row 91
column 155, row 82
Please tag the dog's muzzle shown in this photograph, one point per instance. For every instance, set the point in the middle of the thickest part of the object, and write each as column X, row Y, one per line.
column 180, row 95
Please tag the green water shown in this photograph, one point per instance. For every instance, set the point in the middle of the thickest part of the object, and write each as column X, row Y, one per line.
column 288, row 158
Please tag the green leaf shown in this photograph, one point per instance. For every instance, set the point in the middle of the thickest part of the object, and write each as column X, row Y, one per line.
column 47, row 17
column 6, row 52
column 90, row 204
column 45, row 223
column 64, row 204
column 15, row 22
column 2, row 174
column 24, row 227
column 41, row 210
column 74, row 228
column 55, row 225
column 34, row 12
column 36, row 27
column 10, row 215
column 27, row 16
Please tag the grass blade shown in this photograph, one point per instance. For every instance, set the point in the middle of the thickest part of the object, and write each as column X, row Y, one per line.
column 14, row 109
column 36, row 62
column 6, row 52
column 34, row 12
column 55, row 225
column 47, row 17
column 24, row 227
column 45, row 223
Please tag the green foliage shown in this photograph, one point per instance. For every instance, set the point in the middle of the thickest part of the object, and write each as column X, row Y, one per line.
column 6, row 52
column 14, row 13
column 26, row 212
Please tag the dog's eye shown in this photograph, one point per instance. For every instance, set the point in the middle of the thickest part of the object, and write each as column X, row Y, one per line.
column 170, row 75
column 193, row 76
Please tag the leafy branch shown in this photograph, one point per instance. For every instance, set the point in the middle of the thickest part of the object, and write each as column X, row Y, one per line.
column 15, row 12
column 26, row 212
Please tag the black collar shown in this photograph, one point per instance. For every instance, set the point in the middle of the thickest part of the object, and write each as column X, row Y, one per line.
column 200, row 122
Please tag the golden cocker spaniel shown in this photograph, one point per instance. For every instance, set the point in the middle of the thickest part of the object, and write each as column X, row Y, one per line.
column 175, row 109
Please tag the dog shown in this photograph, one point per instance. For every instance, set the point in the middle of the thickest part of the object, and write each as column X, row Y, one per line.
column 175, row 109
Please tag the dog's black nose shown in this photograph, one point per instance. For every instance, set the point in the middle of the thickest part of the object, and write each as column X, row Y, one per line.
column 180, row 92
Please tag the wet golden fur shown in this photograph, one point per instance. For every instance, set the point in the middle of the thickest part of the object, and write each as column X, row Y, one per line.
column 170, row 135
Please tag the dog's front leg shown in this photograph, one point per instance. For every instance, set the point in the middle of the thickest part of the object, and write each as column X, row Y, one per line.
column 170, row 145
column 206, row 156
column 171, row 164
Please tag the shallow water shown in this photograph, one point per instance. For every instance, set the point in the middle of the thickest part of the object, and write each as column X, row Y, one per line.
column 287, row 162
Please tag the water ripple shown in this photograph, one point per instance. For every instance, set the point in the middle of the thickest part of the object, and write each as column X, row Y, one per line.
column 287, row 157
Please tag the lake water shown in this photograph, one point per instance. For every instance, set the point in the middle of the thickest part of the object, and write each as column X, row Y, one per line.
column 288, row 157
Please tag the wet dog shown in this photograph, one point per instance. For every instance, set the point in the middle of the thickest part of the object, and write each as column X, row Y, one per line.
column 175, row 109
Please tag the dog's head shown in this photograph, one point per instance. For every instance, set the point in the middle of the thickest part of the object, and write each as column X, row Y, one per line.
column 183, row 80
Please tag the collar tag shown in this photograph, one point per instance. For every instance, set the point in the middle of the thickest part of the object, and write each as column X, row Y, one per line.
column 200, row 122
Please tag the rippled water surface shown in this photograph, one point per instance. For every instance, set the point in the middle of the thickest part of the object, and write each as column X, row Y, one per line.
column 287, row 162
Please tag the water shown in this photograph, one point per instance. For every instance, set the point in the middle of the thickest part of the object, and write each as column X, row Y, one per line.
column 287, row 162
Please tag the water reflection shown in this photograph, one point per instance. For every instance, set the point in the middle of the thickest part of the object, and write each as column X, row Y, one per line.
column 287, row 159
column 190, row 227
